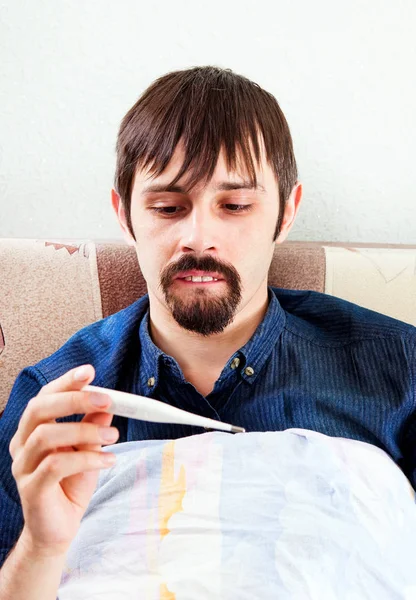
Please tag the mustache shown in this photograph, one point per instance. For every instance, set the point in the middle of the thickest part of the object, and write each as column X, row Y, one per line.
column 189, row 262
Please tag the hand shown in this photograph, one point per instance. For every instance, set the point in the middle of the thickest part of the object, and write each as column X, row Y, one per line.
column 56, row 465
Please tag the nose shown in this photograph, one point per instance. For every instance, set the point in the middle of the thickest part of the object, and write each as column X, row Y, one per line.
column 199, row 231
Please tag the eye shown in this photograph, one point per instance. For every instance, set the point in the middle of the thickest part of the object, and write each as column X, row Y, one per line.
column 238, row 207
column 171, row 211
column 166, row 210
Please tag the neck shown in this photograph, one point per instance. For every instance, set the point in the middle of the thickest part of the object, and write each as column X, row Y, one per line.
column 207, row 355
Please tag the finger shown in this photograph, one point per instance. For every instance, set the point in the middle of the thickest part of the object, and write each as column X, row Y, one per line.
column 42, row 409
column 47, row 438
column 103, row 420
column 60, row 465
column 74, row 379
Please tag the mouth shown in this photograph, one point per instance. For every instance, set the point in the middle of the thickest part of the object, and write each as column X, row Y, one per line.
column 199, row 277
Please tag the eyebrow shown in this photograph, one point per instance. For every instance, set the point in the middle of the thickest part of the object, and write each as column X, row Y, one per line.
column 224, row 186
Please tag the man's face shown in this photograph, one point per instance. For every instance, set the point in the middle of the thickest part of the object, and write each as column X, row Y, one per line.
column 204, row 254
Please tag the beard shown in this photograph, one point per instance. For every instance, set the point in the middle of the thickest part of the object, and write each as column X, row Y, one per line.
column 203, row 311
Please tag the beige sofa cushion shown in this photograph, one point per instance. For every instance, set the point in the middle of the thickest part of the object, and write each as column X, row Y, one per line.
column 382, row 279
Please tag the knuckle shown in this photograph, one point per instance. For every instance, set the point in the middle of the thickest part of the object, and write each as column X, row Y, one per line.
column 72, row 398
column 32, row 405
column 91, row 460
column 17, row 466
column 39, row 436
column 14, row 468
column 75, row 401
column 12, row 446
column 80, row 432
column 25, row 487
column 52, row 463
column 45, row 389
column 84, row 401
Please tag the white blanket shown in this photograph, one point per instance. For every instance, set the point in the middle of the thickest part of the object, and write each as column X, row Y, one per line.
column 278, row 515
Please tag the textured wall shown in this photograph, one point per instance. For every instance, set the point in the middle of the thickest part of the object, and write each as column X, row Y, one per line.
column 343, row 73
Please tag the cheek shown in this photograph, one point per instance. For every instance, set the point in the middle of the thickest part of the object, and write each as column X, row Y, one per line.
column 151, row 231
column 152, row 255
column 255, row 259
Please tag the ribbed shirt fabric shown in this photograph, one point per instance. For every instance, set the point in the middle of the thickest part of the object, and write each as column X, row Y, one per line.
column 315, row 362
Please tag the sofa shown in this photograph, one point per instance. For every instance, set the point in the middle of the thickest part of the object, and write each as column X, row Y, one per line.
column 53, row 288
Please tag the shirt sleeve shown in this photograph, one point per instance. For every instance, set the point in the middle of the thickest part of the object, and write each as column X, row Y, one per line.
column 409, row 432
column 27, row 385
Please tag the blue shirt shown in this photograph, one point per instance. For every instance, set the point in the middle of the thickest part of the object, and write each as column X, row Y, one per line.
column 315, row 362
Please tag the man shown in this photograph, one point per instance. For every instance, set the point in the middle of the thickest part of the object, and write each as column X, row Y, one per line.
column 206, row 185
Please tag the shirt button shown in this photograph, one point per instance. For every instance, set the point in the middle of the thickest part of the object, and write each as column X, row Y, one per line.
column 151, row 382
column 234, row 363
column 249, row 371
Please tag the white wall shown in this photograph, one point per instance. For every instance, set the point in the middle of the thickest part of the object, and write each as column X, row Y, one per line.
column 343, row 72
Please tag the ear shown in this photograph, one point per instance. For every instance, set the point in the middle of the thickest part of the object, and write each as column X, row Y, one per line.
column 290, row 212
column 121, row 217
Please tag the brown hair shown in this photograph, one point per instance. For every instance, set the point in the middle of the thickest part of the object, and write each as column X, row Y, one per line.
column 209, row 109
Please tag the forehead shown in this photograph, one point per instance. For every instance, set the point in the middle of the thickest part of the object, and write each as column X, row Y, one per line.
column 222, row 172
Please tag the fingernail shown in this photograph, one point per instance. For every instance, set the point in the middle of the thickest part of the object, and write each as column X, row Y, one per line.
column 108, row 459
column 81, row 373
column 98, row 399
column 108, row 435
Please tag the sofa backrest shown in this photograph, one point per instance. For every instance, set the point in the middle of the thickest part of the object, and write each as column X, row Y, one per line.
column 51, row 289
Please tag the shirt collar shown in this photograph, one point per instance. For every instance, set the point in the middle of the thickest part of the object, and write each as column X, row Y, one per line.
column 150, row 359
column 259, row 347
column 250, row 358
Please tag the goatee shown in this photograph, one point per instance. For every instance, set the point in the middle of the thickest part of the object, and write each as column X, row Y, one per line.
column 203, row 311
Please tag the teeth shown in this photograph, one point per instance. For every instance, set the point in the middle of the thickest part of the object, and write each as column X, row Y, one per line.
column 199, row 279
